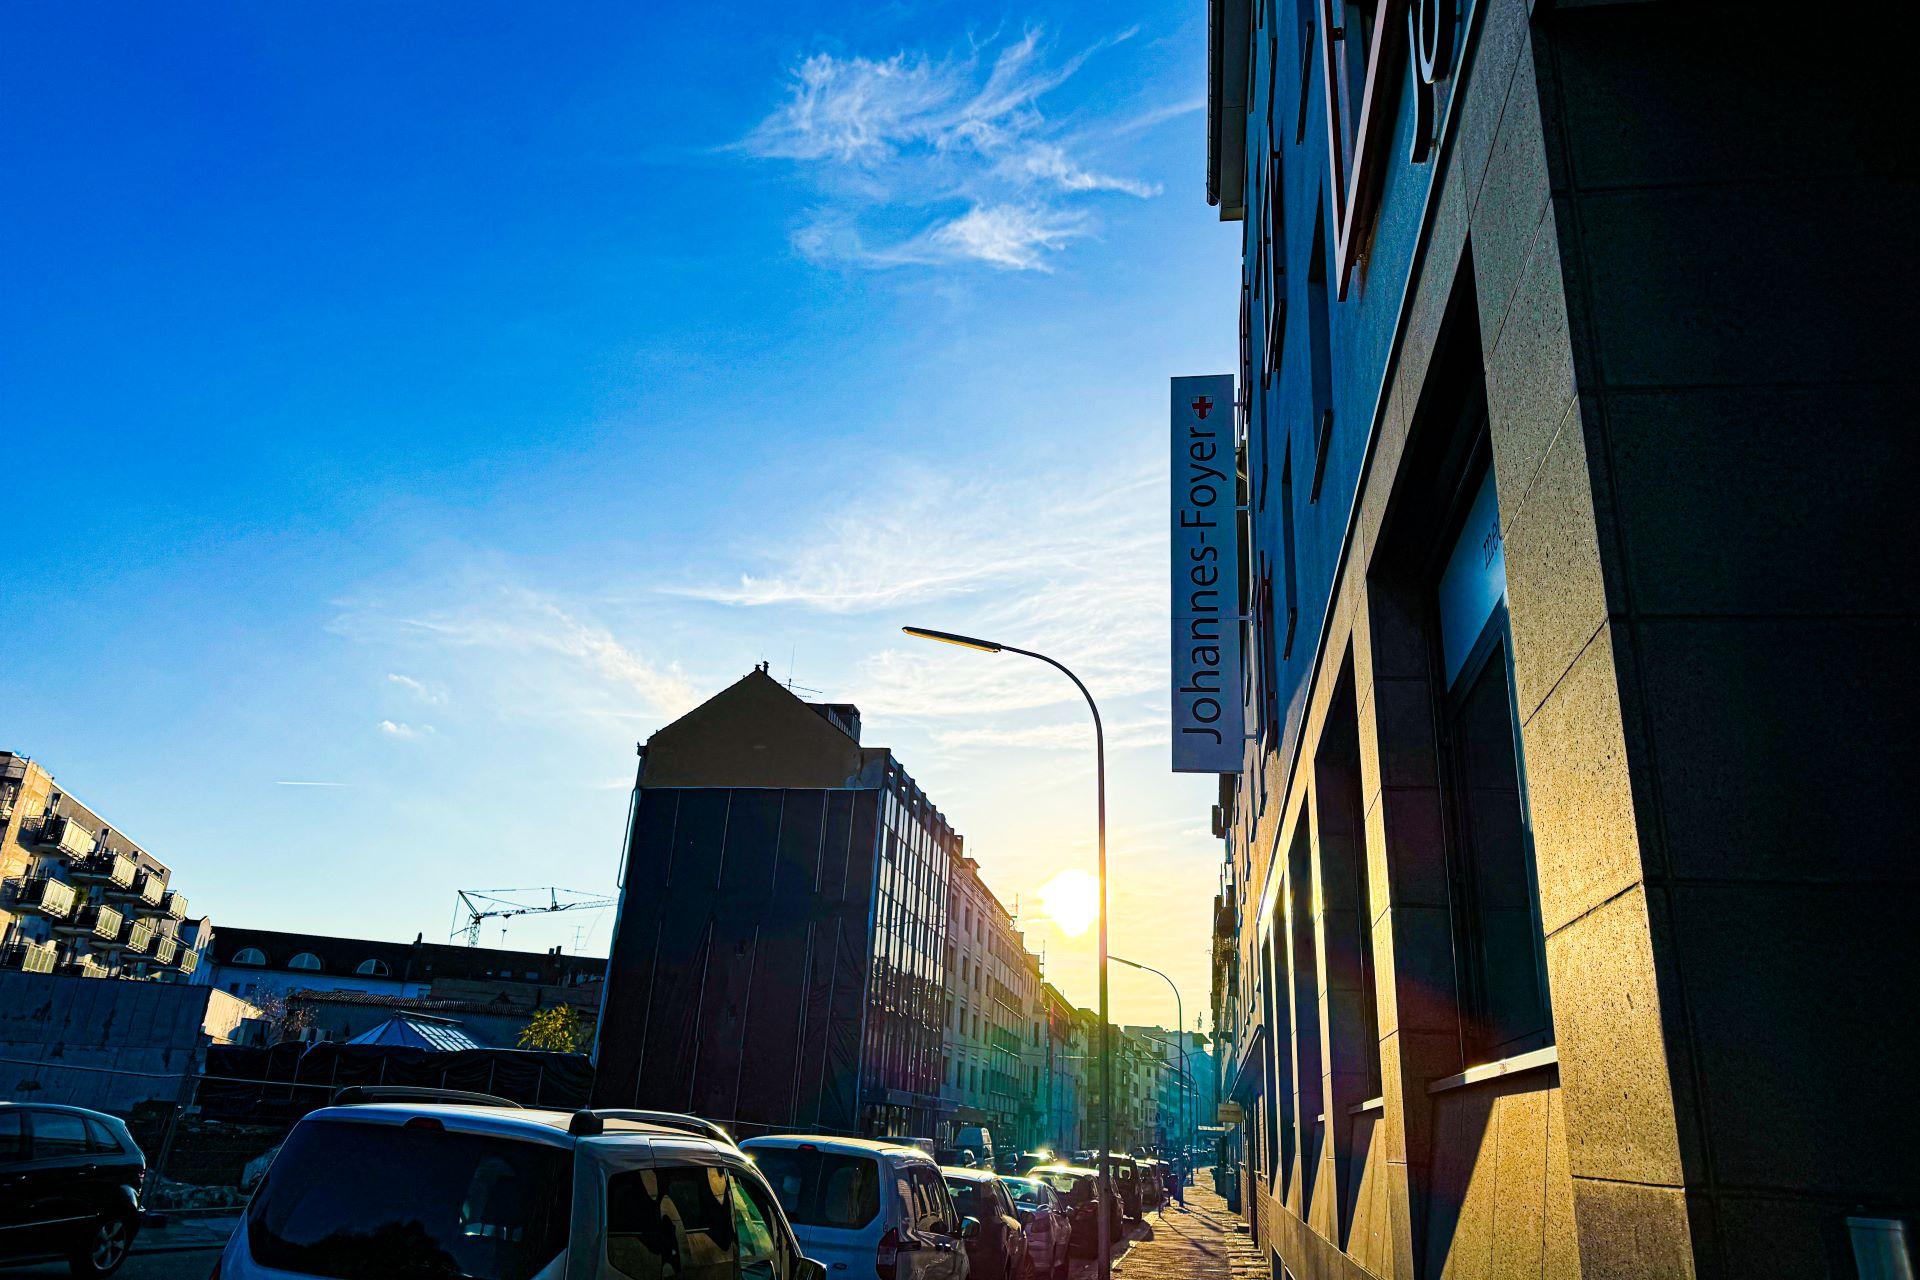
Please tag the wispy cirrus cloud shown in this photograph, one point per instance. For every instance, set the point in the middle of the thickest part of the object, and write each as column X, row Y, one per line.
column 403, row 730
column 1074, row 570
column 418, row 688
column 540, row 653
column 1141, row 732
column 925, row 160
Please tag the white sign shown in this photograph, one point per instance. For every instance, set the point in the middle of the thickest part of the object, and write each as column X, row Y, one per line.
column 1207, row 716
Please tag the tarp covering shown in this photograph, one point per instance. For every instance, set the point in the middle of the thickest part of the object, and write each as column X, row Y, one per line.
column 289, row 1080
column 739, row 971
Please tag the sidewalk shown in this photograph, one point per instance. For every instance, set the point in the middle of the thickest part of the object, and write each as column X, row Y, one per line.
column 187, row 1231
column 1199, row 1243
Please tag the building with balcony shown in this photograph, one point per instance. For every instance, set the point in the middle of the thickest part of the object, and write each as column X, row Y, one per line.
column 1566, row 866
column 69, row 882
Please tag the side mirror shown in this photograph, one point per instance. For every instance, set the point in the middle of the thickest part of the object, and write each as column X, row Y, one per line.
column 969, row 1228
column 808, row 1269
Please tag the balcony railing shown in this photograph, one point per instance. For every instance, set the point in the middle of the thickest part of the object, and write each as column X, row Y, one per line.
column 136, row 935
column 187, row 961
column 165, row 949
column 175, row 904
column 83, row 967
column 99, row 925
column 64, row 838
column 49, row 897
column 146, row 894
column 114, row 870
column 30, row 957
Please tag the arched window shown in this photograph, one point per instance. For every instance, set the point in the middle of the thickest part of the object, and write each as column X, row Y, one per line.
column 305, row 960
column 374, row 969
column 249, row 955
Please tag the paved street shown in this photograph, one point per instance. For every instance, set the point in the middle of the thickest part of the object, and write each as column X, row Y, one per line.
column 1195, row 1243
column 182, row 1250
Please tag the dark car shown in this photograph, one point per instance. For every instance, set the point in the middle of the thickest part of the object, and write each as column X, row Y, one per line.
column 998, row 1251
column 1079, row 1186
column 1125, row 1172
column 69, row 1185
column 1049, row 1223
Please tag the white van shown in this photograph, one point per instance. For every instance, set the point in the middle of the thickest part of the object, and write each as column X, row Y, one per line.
column 866, row 1208
column 498, row 1192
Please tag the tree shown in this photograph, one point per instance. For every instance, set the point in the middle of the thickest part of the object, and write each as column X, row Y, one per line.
column 279, row 1019
column 556, row 1029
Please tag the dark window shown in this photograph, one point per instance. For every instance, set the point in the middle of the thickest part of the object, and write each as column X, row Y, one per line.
column 967, row 1201
column 676, row 1221
column 1345, row 889
column 1290, row 620
column 1497, row 902
column 57, row 1134
column 756, row 1222
column 419, row 1202
column 100, row 1137
column 821, row 1189
column 1320, row 348
column 13, row 1137
column 933, row 1206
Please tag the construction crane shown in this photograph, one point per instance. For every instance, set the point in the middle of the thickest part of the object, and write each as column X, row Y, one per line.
column 488, row 904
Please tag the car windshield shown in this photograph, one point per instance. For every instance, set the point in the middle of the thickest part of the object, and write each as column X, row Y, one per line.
column 1026, row 1191
column 355, row 1200
column 821, row 1188
column 1078, row 1190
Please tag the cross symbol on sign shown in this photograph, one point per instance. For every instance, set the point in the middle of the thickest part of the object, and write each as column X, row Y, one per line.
column 1203, row 406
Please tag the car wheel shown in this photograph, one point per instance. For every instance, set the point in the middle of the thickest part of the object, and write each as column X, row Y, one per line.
column 104, row 1247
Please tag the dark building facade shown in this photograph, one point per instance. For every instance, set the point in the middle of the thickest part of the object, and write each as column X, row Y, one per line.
column 1565, row 879
column 778, row 956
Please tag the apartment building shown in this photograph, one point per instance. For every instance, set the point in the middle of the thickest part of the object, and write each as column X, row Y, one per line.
column 988, row 1031
column 78, row 897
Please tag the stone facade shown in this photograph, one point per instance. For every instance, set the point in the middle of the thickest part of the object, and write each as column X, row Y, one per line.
column 1639, row 291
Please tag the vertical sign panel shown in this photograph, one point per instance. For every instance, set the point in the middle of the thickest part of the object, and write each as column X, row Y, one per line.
column 1207, row 732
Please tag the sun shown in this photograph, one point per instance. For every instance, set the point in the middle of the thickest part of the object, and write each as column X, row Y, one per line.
column 1072, row 901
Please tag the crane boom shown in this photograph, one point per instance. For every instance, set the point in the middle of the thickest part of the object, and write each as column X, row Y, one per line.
column 486, row 904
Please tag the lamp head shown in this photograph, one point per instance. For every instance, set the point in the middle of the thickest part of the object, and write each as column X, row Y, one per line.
column 948, row 637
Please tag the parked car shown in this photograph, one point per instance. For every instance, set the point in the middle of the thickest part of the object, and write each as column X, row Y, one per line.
column 1125, row 1171
column 1080, row 1187
column 998, row 1250
column 1153, row 1181
column 1049, row 1223
column 69, row 1186
column 862, row 1207
column 497, row 1192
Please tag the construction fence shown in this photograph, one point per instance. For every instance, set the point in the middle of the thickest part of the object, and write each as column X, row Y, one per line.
column 210, row 1133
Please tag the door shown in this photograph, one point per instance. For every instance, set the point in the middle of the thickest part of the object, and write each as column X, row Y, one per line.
column 936, row 1227
column 63, row 1166
column 19, row 1207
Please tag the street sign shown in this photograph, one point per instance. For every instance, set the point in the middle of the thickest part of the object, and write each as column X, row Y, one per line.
column 1208, row 732
column 1231, row 1113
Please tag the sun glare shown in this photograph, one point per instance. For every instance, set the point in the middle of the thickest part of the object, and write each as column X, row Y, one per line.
column 1072, row 901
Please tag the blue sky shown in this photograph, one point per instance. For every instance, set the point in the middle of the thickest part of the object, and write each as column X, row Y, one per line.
column 430, row 401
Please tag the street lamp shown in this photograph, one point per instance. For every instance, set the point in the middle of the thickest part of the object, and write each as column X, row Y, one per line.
column 1105, row 1270
column 1179, row 1048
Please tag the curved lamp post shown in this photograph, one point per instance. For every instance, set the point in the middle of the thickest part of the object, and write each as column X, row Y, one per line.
column 1105, row 1270
column 1180, row 1043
